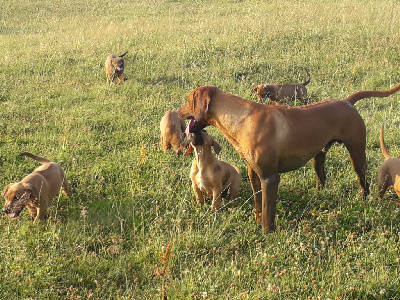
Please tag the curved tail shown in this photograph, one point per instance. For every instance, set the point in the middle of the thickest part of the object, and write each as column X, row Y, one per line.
column 369, row 94
column 308, row 80
column 35, row 157
column 122, row 55
column 383, row 147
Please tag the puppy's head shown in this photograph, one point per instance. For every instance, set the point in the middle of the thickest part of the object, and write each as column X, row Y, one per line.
column 17, row 196
column 263, row 91
column 118, row 64
column 201, row 140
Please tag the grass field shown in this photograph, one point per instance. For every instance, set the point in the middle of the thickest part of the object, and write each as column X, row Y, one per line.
column 131, row 229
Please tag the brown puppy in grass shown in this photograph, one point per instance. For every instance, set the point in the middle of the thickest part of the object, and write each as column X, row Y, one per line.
column 172, row 130
column 275, row 139
column 36, row 190
column 115, row 66
column 389, row 171
column 211, row 176
column 280, row 93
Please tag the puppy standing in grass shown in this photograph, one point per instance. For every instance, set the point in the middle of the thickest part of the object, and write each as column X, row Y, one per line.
column 172, row 132
column 282, row 92
column 209, row 174
column 389, row 171
column 115, row 66
column 36, row 190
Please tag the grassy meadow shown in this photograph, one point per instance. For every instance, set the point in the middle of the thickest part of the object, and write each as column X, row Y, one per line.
column 131, row 228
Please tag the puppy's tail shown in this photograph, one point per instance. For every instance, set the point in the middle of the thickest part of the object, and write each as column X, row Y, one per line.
column 383, row 147
column 122, row 55
column 35, row 157
column 308, row 80
column 369, row 94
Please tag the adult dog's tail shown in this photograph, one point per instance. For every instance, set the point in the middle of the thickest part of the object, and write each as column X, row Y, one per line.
column 308, row 80
column 122, row 55
column 369, row 94
column 383, row 146
column 35, row 157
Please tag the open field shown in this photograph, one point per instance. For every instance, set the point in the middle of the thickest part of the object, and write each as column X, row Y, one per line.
column 131, row 229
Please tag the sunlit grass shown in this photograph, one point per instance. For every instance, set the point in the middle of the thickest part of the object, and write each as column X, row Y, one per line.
column 131, row 202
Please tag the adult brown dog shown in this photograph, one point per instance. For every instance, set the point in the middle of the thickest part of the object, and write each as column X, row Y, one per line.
column 172, row 132
column 277, row 139
column 210, row 175
column 36, row 190
column 282, row 92
column 389, row 171
column 115, row 66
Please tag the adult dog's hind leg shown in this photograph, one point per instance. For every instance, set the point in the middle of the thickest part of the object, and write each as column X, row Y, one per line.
column 359, row 161
column 257, row 193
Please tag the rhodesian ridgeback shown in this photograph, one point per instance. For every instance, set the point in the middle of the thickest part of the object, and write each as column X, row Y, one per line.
column 282, row 92
column 115, row 66
column 172, row 132
column 36, row 190
column 389, row 171
column 210, row 175
column 277, row 139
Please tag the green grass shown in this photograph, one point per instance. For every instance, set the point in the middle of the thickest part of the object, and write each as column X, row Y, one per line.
column 108, row 239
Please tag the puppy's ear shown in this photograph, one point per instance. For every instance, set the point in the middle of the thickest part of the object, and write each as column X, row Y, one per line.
column 7, row 188
column 254, row 90
column 217, row 147
column 32, row 191
column 189, row 150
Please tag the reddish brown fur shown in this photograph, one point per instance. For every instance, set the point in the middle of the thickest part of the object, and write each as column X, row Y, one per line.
column 389, row 171
column 277, row 139
column 211, row 176
column 280, row 93
column 172, row 132
column 115, row 66
column 36, row 190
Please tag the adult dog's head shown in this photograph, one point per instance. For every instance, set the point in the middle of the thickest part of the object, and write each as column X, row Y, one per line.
column 19, row 195
column 197, row 108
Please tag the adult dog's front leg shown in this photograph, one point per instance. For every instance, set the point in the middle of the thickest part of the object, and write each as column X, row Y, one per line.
column 256, row 187
column 269, row 188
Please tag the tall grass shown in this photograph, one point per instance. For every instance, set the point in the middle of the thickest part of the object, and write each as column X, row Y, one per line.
column 131, row 202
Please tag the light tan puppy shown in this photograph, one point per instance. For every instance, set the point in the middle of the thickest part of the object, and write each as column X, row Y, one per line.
column 36, row 190
column 280, row 93
column 211, row 176
column 389, row 171
column 115, row 66
column 274, row 139
column 172, row 130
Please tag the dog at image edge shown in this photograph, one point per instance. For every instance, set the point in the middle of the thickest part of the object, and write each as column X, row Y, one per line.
column 389, row 171
column 36, row 190
column 115, row 66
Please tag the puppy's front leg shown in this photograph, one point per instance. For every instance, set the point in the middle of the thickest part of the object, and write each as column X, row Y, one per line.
column 216, row 203
column 198, row 193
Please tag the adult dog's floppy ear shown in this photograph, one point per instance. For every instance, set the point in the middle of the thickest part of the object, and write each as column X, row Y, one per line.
column 200, row 100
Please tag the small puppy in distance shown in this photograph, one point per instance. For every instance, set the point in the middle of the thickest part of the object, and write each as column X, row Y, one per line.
column 115, row 66
column 389, row 171
column 209, row 175
column 172, row 132
column 36, row 190
column 280, row 93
